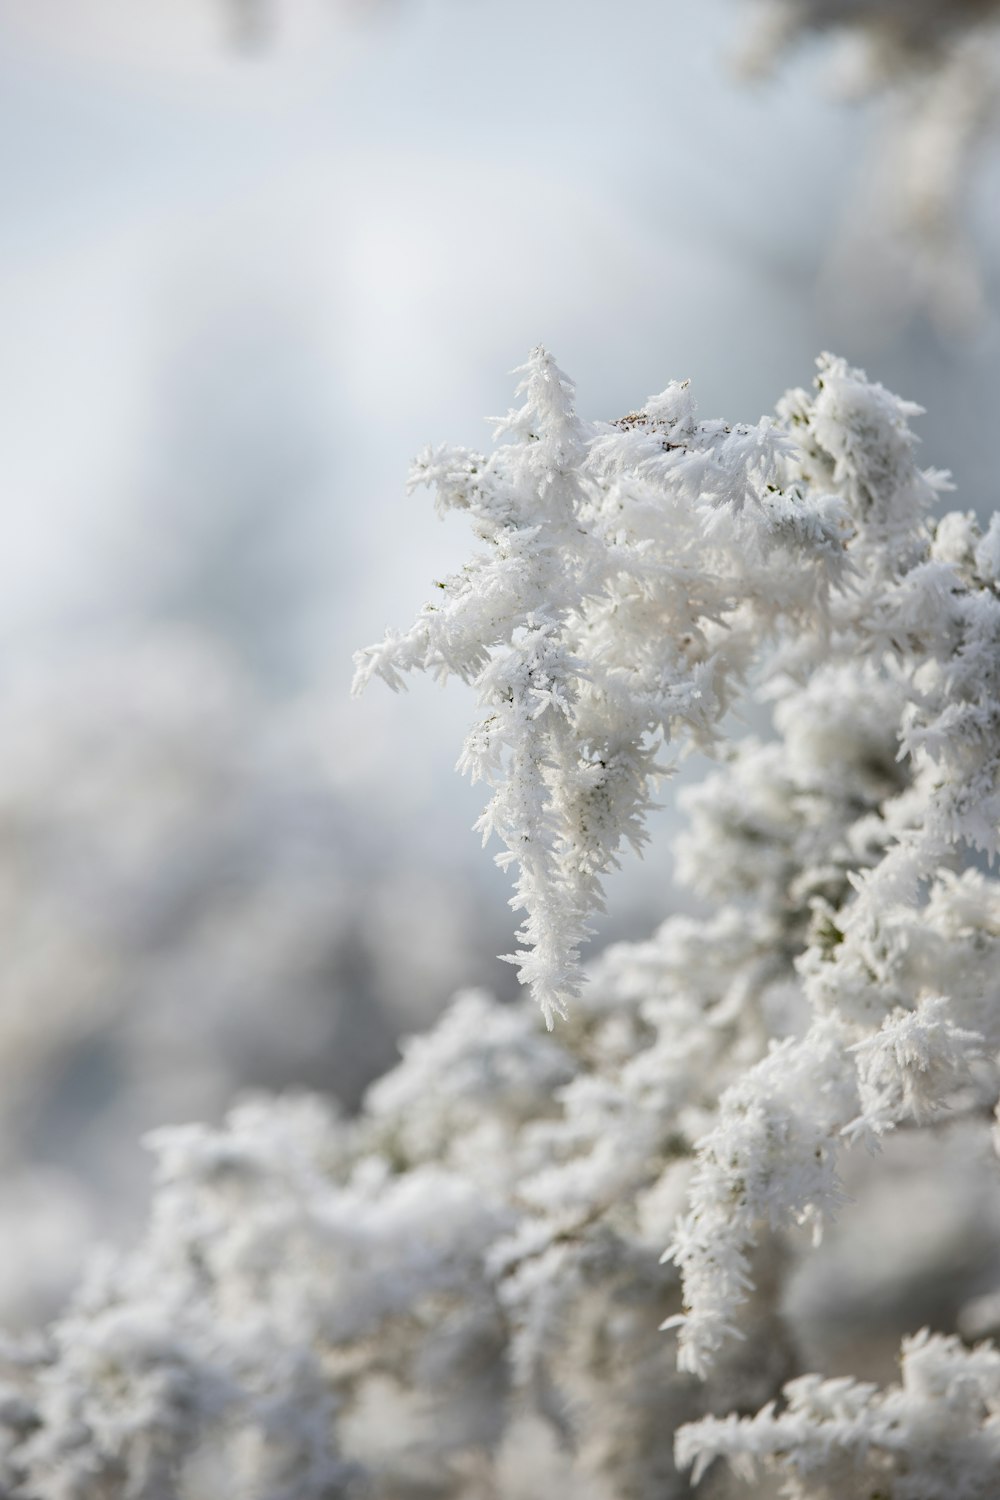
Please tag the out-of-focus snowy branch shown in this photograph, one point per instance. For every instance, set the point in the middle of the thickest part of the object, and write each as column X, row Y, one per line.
column 905, row 241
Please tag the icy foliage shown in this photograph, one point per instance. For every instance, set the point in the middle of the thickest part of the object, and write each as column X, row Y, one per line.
column 935, row 1436
column 880, row 649
column 459, row 1291
column 628, row 573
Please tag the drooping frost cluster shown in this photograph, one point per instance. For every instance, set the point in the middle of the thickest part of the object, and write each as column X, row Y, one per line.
column 471, row 1288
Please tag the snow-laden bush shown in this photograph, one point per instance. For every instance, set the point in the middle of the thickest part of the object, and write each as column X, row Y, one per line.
column 461, row 1291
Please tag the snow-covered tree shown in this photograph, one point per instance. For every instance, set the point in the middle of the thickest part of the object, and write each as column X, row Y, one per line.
column 470, row 1288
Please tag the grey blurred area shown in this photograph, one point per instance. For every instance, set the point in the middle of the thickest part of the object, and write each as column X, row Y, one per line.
column 253, row 256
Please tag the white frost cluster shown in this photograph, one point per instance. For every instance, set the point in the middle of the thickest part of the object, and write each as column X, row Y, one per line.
column 628, row 574
column 879, row 644
column 935, row 1436
column 459, row 1291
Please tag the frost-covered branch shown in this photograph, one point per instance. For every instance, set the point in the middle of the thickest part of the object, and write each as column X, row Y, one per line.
column 935, row 1436
column 800, row 551
column 901, row 1005
column 630, row 573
